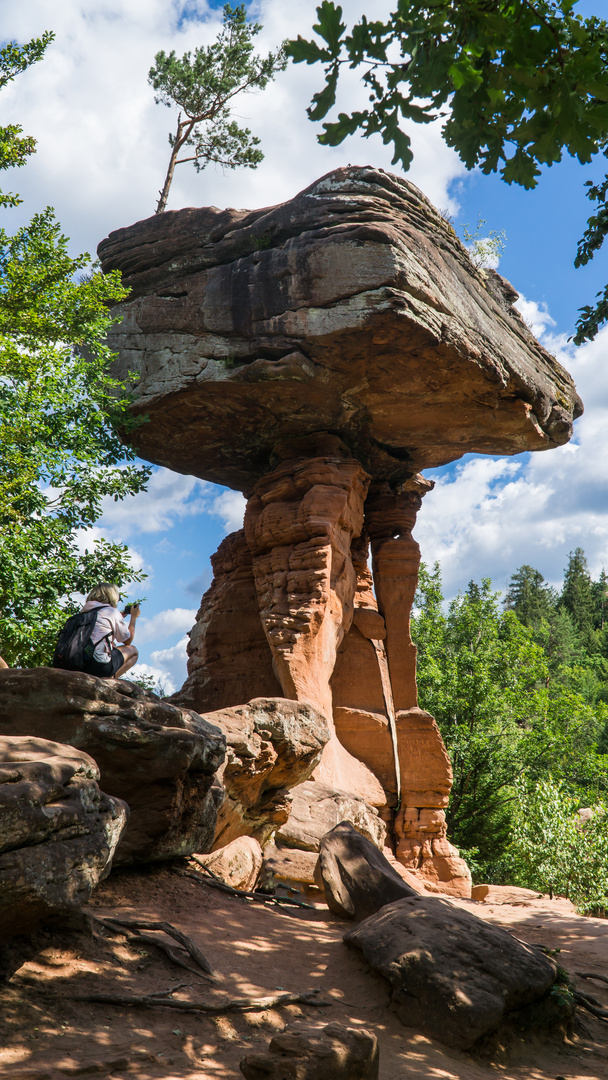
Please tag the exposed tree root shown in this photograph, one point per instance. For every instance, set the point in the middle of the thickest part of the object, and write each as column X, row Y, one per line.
column 120, row 926
column 162, row 999
column 591, row 975
column 592, row 1005
column 261, row 898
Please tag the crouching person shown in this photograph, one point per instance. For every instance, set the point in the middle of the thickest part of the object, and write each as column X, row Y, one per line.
column 111, row 636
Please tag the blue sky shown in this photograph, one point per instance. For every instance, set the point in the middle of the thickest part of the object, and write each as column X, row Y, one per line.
column 102, row 153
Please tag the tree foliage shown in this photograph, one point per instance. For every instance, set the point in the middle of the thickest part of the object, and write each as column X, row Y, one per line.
column 514, row 712
column 203, row 86
column 515, row 82
column 59, row 412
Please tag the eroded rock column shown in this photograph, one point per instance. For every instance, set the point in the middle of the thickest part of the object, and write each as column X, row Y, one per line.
column 299, row 525
column 419, row 827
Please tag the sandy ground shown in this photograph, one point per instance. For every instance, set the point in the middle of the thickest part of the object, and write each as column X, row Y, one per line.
column 255, row 950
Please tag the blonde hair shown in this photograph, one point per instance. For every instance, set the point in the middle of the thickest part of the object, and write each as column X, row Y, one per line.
column 106, row 592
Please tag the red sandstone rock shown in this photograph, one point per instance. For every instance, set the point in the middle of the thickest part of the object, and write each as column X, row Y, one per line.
column 160, row 759
column 58, row 831
column 229, row 658
column 237, row 864
column 310, row 1052
column 357, row 343
column 272, row 745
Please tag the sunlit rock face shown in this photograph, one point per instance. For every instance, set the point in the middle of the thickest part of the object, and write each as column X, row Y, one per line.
column 317, row 355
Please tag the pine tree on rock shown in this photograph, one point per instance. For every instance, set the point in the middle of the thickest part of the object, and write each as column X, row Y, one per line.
column 203, row 86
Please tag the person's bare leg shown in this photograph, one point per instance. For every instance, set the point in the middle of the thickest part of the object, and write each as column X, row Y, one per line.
column 130, row 654
column 3, row 663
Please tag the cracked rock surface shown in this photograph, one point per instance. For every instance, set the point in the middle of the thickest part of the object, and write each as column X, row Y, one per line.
column 352, row 308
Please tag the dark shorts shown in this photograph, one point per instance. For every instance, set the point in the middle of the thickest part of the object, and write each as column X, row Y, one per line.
column 105, row 671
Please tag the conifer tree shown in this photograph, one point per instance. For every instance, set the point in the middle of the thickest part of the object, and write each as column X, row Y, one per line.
column 203, row 87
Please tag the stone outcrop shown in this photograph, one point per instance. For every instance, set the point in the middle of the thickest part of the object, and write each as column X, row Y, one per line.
column 58, row 831
column 316, row 355
column 230, row 661
column 452, row 976
column 353, row 308
column 158, row 758
column 238, row 864
column 356, row 878
column 318, row 808
column 309, row 1052
column 272, row 745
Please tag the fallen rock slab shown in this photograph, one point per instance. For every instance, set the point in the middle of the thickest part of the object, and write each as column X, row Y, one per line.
column 273, row 744
column 304, row 1052
column 317, row 808
column 356, row 878
column 160, row 759
column 504, row 894
column 290, row 867
column 453, row 977
column 58, row 832
column 237, row 864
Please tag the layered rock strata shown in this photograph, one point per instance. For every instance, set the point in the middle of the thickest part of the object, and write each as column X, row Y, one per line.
column 160, row 759
column 352, row 308
column 58, row 831
column 316, row 355
column 272, row 746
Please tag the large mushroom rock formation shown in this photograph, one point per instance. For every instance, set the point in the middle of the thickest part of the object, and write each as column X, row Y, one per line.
column 316, row 355
column 160, row 759
column 58, row 831
column 352, row 308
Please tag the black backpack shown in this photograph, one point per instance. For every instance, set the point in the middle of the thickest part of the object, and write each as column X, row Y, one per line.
column 74, row 646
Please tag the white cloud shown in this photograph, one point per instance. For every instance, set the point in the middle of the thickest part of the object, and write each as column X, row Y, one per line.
column 230, row 508
column 498, row 513
column 169, row 498
column 103, row 143
column 536, row 316
column 162, row 680
column 165, row 624
column 172, row 662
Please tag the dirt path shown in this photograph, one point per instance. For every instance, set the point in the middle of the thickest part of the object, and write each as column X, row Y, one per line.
column 256, row 949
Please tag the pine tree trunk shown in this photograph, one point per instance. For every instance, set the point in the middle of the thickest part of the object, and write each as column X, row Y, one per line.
column 164, row 195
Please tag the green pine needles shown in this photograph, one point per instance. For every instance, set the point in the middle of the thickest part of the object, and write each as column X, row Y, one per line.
column 203, row 86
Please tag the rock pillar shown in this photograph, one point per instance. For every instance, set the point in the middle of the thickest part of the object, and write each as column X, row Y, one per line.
column 389, row 520
column 299, row 524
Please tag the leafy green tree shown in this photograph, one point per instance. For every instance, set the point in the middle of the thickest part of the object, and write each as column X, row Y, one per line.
column 529, row 596
column 516, row 82
column 484, row 677
column 59, row 413
column 553, row 851
column 479, row 673
column 578, row 596
column 203, row 86
column 15, row 147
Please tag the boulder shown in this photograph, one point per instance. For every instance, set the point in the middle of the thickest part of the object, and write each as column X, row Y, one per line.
column 356, row 878
column 159, row 758
column 504, row 894
column 352, row 308
column 453, row 976
column 58, row 831
column 306, row 1052
column 237, row 864
column 290, row 867
column 272, row 745
column 318, row 808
